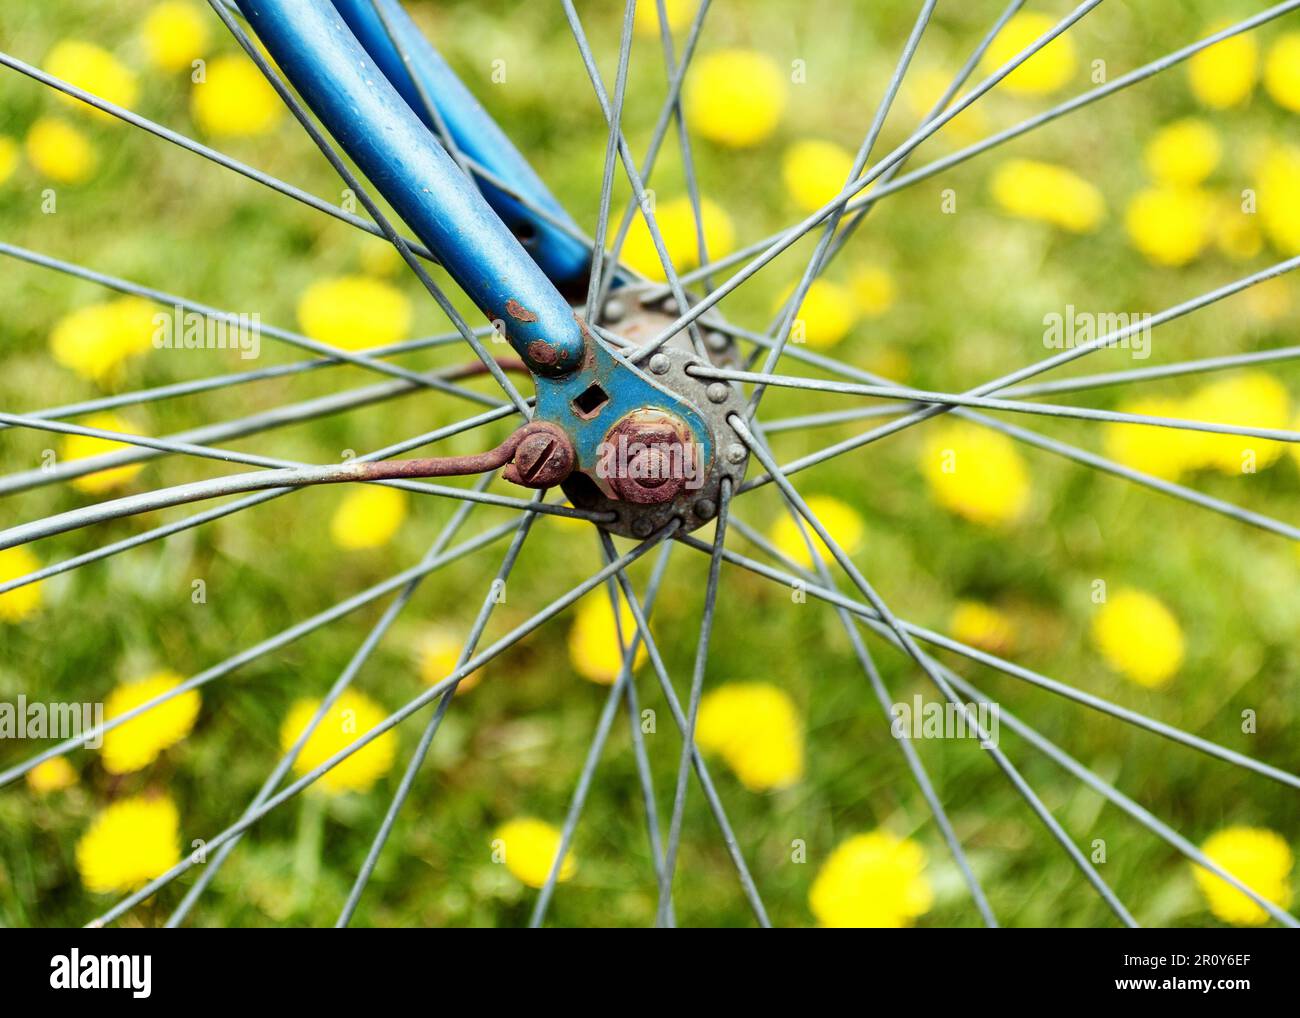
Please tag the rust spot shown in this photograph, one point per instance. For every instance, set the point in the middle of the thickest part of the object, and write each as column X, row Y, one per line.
column 541, row 352
column 518, row 312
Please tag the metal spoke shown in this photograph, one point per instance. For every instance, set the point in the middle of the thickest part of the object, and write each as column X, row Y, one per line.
column 490, row 601
column 363, row 195
column 394, row 719
column 701, row 768
column 795, row 233
column 785, row 320
column 349, row 673
column 909, row 645
column 617, row 693
column 693, row 708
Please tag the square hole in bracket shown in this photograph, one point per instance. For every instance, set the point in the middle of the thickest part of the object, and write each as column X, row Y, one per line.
column 590, row 401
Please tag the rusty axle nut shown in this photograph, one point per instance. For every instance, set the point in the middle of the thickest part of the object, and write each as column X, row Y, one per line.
column 543, row 458
column 645, row 457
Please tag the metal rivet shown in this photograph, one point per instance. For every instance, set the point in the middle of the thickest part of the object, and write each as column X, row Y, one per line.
column 705, row 509
column 670, row 306
column 718, row 392
column 716, row 341
column 642, row 527
column 614, row 310
column 736, row 453
column 660, row 364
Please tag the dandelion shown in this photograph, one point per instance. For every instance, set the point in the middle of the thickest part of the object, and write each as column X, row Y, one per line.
column 1184, row 153
column 77, row 447
column 368, row 517
column 874, row 290
column 60, row 151
column 1278, row 195
column 1270, row 300
column 976, row 472
column 1236, row 234
column 1138, row 637
column 354, row 312
column 20, row 602
column 1256, row 856
column 137, row 743
column 528, row 847
column 234, row 99
column 983, row 626
column 1046, row 71
column 1162, row 452
column 923, row 90
column 95, row 70
column 874, row 879
column 755, row 727
column 826, row 315
column 439, row 650
column 175, row 34
column 379, row 258
column 678, row 12
column 676, row 222
column 734, row 97
column 128, row 844
column 348, row 719
column 1047, row 193
column 94, row 341
column 842, row 522
column 8, row 157
column 1224, row 74
column 1282, row 72
column 815, row 171
column 594, row 648
column 52, row 775
column 1249, row 399
column 1170, row 226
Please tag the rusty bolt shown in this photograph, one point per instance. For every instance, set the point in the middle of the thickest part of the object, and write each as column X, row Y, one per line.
column 645, row 457
column 543, row 458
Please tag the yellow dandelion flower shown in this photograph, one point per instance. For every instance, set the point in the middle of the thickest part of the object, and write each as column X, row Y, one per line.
column 676, row 222
column 976, row 472
column 137, row 743
column 8, row 157
column 1170, row 226
column 354, row 312
column 128, row 844
column 983, row 626
column 842, row 522
column 1183, row 153
column 1250, row 399
column 922, row 91
column 439, row 649
column 60, row 151
column 755, row 727
column 528, row 848
column 94, row 341
column 348, row 719
column 874, row 290
column 379, row 258
column 20, row 602
column 815, row 171
column 77, row 447
column 1224, row 75
column 94, row 69
column 1270, row 300
column 234, row 99
column 873, row 879
column 1278, row 196
column 1161, row 452
column 679, row 13
column 368, row 517
column 1256, row 856
column 52, row 775
column 1236, row 233
column 1282, row 72
column 594, row 648
column 734, row 97
column 175, row 34
column 1048, row 70
column 1138, row 637
column 1049, row 194
column 826, row 315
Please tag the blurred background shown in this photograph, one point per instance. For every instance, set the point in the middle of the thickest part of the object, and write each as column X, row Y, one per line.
column 1158, row 194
